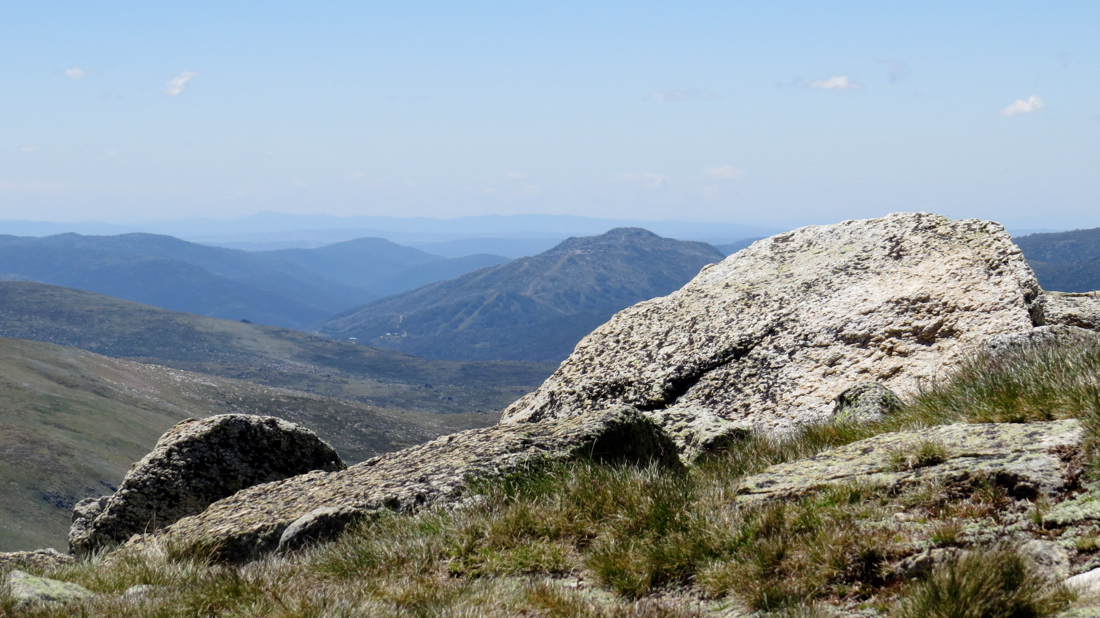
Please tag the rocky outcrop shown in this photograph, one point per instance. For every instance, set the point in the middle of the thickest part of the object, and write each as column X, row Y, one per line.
column 869, row 401
column 37, row 559
column 1081, row 310
column 769, row 338
column 194, row 464
column 1028, row 460
column 317, row 505
column 28, row 591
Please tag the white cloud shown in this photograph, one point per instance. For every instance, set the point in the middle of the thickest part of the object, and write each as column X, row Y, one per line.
column 516, row 175
column 355, row 175
column 646, row 179
column 529, row 190
column 30, row 148
column 112, row 152
column 75, row 73
column 178, row 83
column 1020, row 106
column 725, row 172
column 680, row 96
column 836, row 82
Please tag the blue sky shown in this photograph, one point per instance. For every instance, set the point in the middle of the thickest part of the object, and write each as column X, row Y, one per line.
column 780, row 113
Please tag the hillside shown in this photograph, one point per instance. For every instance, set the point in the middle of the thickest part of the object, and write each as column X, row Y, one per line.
column 533, row 308
column 291, row 288
column 171, row 273
column 465, row 393
column 72, row 422
column 1064, row 261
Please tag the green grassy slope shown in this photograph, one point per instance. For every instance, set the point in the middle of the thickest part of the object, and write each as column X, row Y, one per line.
column 72, row 423
column 534, row 308
column 264, row 355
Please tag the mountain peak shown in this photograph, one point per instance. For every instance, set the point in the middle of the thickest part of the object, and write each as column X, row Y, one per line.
column 532, row 308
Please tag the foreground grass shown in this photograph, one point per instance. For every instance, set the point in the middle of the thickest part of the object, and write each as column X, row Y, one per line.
column 590, row 540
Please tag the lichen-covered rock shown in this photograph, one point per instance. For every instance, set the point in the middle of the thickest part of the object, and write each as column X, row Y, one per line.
column 194, row 464
column 1082, row 508
column 1072, row 309
column 253, row 521
column 869, row 401
column 37, row 559
column 768, row 338
column 27, row 590
column 1028, row 460
column 1051, row 559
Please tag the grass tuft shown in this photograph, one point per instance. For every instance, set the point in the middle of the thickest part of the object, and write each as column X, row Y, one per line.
column 985, row 583
column 920, row 454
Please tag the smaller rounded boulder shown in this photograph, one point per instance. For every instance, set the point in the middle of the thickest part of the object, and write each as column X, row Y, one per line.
column 193, row 465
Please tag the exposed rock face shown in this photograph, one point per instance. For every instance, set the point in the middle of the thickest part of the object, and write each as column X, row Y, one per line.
column 194, row 464
column 309, row 507
column 37, row 559
column 1080, row 310
column 1028, row 460
column 768, row 338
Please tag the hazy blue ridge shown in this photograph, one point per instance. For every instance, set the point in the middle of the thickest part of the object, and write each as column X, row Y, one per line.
column 149, row 279
column 1064, row 261
column 291, row 288
column 731, row 248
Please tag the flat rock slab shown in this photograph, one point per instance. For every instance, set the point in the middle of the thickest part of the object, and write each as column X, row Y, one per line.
column 1027, row 459
column 254, row 520
column 27, row 590
column 37, row 559
column 194, row 464
column 1072, row 309
column 767, row 339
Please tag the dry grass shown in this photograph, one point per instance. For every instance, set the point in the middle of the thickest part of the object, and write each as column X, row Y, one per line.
column 985, row 583
column 591, row 540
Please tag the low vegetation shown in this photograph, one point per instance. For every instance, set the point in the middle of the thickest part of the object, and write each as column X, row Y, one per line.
column 590, row 540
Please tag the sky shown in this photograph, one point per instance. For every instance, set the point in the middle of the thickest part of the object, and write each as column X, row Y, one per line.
column 777, row 113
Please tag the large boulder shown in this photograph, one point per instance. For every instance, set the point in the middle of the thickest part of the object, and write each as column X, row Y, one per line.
column 37, row 559
column 315, row 506
column 194, row 464
column 770, row 337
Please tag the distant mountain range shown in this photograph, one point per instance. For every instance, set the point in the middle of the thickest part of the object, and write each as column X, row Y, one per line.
column 1064, row 261
column 292, row 288
column 273, row 230
column 533, row 308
